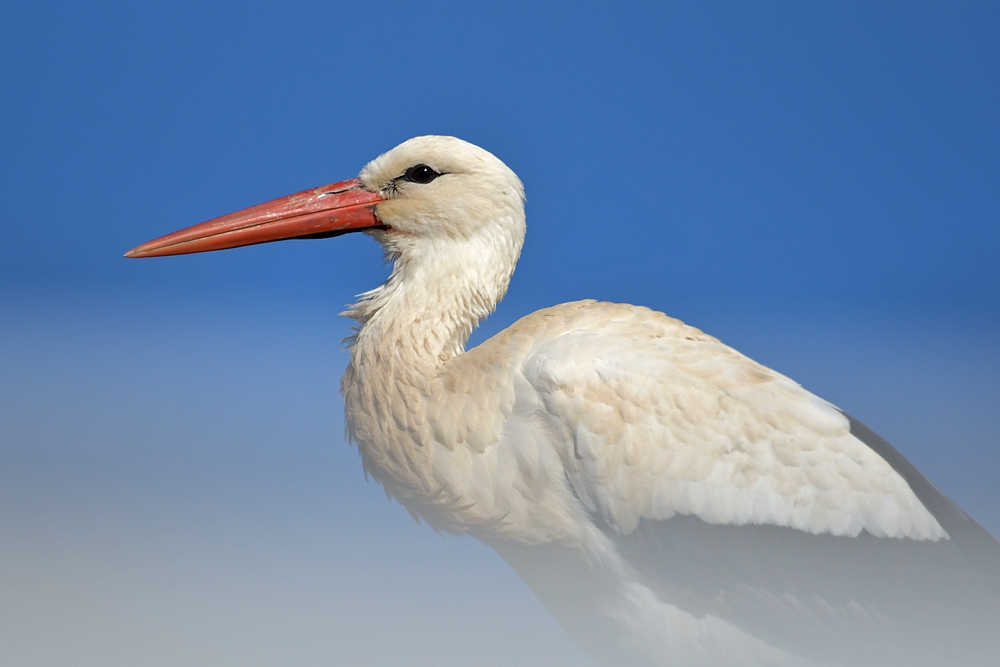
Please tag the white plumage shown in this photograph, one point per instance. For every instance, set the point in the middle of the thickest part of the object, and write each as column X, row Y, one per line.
column 671, row 500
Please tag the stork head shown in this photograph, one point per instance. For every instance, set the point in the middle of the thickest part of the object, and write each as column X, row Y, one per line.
column 443, row 187
column 427, row 191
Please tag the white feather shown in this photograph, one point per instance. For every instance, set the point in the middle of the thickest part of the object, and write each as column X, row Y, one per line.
column 556, row 439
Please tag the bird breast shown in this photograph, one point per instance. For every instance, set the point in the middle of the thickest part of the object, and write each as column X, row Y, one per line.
column 460, row 443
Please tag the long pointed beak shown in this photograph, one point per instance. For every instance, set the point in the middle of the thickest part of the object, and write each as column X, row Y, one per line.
column 330, row 210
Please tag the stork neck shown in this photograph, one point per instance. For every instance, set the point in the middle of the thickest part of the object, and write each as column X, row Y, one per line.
column 423, row 314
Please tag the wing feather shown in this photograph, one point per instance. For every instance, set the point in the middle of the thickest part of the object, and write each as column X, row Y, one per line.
column 664, row 420
column 735, row 494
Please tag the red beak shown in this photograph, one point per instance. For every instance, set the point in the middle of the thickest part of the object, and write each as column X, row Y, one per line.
column 330, row 210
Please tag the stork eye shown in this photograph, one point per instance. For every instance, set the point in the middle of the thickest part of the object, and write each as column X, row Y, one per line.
column 420, row 173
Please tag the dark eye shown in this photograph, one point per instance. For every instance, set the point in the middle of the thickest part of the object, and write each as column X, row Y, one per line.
column 420, row 173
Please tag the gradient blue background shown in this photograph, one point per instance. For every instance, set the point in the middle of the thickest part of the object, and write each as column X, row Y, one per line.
column 817, row 185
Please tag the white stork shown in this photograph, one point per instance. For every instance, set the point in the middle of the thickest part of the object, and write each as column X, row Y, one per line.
column 670, row 500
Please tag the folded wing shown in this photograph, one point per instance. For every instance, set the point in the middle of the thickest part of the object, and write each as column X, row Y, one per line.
column 735, row 493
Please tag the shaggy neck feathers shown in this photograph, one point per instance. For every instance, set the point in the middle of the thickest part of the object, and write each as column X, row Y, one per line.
column 438, row 292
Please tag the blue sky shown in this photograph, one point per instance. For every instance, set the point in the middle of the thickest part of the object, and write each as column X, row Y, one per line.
column 814, row 184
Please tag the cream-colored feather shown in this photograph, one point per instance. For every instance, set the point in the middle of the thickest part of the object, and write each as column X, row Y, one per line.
column 602, row 447
column 644, row 416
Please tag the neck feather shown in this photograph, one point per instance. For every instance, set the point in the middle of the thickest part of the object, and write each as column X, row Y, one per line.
column 436, row 295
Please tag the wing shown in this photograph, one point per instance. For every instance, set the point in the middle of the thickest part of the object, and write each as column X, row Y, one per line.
column 666, row 420
column 735, row 493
